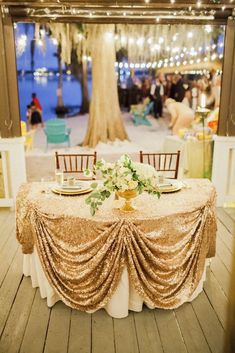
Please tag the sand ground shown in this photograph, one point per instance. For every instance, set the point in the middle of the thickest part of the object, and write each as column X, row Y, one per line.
column 40, row 161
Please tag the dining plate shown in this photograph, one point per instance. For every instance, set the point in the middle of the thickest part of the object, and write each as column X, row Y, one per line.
column 170, row 186
column 61, row 191
column 84, row 188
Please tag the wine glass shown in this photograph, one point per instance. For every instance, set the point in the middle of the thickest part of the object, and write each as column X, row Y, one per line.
column 59, row 177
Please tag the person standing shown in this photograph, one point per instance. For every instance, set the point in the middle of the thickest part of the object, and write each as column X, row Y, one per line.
column 156, row 92
column 179, row 89
column 36, row 117
column 36, row 102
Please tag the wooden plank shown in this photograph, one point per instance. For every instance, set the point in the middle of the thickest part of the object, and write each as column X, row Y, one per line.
column 230, row 212
column 209, row 322
column 125, row 335
column 36, row 329
column 147, row 332
column 224, row 254
column 9, row 288
column 227, row 221
column 221, row 274
column 17, row 320
column 7, row 254
column 58, row 329
column 216, row 297
column 191, row 330
column 80, row 332
column 6, row 227
column 226, row 237
column 102, row 332
column 170, row 333
column 4, row 214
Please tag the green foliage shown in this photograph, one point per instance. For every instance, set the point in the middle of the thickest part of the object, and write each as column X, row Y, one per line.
column 121, row 176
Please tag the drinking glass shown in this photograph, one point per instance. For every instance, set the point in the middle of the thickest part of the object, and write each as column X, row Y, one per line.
column 59, row 177
column 160, row 178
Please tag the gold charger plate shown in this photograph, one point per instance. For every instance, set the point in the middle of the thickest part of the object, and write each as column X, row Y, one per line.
column 71, row 193
column 176, row 186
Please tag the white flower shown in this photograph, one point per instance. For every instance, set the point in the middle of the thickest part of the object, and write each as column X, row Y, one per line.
column 132, row 184
column 124, row 170
column 128, row 177
column 110, row 165
column 145, row 171
column 123, row 158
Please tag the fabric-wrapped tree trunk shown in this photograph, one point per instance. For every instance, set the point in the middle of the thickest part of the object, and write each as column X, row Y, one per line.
column 105, row 120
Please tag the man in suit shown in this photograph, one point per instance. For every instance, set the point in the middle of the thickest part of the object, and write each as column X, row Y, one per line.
column 179, row 90
column 156, row 95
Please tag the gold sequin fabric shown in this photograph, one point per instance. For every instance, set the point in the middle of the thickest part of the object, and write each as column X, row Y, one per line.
column 164, row 244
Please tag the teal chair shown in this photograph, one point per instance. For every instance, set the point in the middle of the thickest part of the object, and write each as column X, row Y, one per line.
column 56, row 132
column 140, row 118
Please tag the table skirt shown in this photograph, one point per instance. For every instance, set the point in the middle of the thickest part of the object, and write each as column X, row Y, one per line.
column 125, row 297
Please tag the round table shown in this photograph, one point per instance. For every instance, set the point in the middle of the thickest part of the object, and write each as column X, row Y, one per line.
column 114, row 260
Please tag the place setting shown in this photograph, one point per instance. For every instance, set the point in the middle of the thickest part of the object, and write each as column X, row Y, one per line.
column 71, row 187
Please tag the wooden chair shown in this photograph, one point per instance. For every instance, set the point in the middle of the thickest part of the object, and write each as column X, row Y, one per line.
column 163, row 162
column 76, row 164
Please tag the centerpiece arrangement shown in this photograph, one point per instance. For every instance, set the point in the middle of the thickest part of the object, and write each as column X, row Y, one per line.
column 126, row 179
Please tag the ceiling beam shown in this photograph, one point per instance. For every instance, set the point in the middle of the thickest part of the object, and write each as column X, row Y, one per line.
column 128, row 6
column 121, row 20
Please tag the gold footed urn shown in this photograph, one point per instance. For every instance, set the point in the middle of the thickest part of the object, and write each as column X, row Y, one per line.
column 128, row 195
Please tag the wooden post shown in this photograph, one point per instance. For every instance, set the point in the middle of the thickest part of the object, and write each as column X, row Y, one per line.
column 227, row 104
column 9, row 100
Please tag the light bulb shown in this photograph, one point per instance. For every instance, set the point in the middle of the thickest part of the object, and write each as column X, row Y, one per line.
column 199, row 3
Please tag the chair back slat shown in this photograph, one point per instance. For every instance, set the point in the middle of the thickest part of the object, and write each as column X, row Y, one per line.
column 70, row 162
column 65, row 164
column 166, row 162
column 76, row 164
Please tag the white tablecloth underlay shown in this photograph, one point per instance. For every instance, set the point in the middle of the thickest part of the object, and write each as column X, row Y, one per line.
column 125, row 297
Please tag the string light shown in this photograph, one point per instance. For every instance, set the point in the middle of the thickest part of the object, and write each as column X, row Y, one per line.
column 199, row 3
column 21, row 44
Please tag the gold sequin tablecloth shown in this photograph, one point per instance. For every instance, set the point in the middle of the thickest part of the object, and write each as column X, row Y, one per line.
column 161, row 248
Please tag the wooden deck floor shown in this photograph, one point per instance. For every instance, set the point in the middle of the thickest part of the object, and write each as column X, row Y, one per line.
column 28, row 325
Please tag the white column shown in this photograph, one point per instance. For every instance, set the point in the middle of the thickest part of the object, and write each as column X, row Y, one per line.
column 223, row 171
column 13, row 168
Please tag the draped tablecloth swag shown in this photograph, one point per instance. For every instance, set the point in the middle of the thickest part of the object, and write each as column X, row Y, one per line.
column 163, row 246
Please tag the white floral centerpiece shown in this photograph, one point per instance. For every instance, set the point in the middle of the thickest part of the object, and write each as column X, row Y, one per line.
column 126, row 178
